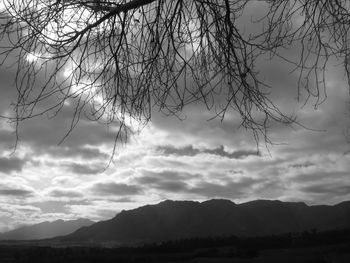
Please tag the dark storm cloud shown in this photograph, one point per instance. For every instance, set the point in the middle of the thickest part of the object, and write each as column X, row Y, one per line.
column 82, row 152
column 319, row 176
column 11, row 164
column 15, row 192
column 234, row 155
column 112, row 188
column 177, row 182
column 184, row 151
column 302, row 165
column 327, row 189
column 191, row 151
column 64, row 193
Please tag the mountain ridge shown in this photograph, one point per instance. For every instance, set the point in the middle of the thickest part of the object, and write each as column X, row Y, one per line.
column 46, row 229
column 169, row 220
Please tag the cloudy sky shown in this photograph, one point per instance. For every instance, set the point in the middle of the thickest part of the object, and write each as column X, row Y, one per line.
column 192, row 158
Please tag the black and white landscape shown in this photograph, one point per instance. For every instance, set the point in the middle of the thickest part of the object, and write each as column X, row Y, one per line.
column 237, row 112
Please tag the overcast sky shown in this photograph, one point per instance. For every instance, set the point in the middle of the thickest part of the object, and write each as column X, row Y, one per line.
column 189, row 159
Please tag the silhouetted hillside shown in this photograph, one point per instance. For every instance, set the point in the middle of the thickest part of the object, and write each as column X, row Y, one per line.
column 171, row 220
column 45, row 230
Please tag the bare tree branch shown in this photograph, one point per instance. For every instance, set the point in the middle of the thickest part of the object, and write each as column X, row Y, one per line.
column 118, row 61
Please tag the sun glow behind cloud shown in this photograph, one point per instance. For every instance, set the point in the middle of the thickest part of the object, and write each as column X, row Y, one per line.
column 32, row 57
column 2, row 6
column 93, row 92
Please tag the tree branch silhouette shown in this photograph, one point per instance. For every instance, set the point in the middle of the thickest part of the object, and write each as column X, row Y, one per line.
column 117, row 61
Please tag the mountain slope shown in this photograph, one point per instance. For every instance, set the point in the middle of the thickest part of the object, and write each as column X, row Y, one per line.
column 184, row 219
column 45, row 230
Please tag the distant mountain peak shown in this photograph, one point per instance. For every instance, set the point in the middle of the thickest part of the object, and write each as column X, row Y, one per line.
column 45, row 229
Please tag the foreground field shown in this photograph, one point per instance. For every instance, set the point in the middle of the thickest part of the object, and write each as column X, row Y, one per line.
column 308, row 247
